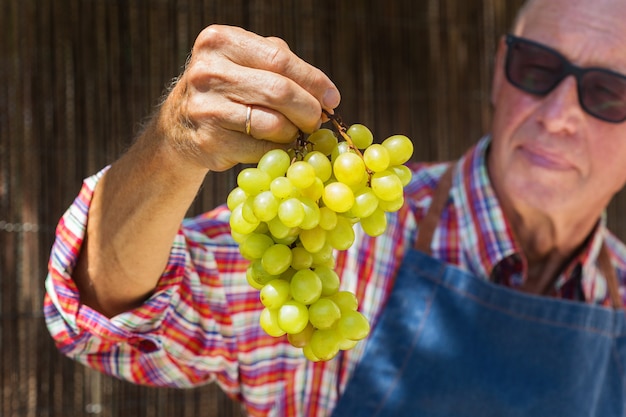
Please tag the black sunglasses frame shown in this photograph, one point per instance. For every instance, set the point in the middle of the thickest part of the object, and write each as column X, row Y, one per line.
column 567, row 69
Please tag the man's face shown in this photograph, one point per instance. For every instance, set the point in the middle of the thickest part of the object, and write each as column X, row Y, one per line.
column 548, row 155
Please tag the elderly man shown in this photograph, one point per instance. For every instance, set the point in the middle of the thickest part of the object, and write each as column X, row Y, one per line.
column 496, row 290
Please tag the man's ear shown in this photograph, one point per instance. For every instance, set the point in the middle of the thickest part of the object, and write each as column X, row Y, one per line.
column 498, row 70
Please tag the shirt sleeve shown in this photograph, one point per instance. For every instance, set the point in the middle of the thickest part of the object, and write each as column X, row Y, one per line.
column 200, row 325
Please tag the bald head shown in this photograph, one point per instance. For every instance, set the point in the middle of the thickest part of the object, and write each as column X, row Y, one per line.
column 559, row 13
column 581, row 25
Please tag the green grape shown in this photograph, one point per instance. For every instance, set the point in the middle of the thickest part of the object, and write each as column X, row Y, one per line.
column 313, row 192
column 349, row 168
column 252, row 281
column 365, row 203
column 262, row 228
column 308, row 353
column 338, row 197
column 254, row 245
column 361, row 135
column 291, row 212
column 387, row 186
column 330, row 280
column 281, row 233
column 278, row 229
column 288, row 274
column 375, row 224
column 324, row 256
column 391, row 206
column 347, row 344
column 306, row 286
column 247, row 211
column 342, row 236
column 351, row 219
column 275, row 163
column 302, row 338
column 311, row 214
column 269, row 322
column 236, row 197
column 290, row 238
column 404, row 173
column 323, row 140
column 301, row 174
column 265, row 206
column 346, row 301
column 328, row 218
column 238, row 237
column 341, row 148
column 293, row 317
column 282, row 188
column 301, row 258
column 313, row 240
column 400, row 149
column 376, row 158
column 325, row 343
column 361, row 184
column 276, row 259
column 321, row 165
column 324, row 313
column 239, row 224
column 275, row 293
column 258, row 273
column 353, row 325
column 253, row 181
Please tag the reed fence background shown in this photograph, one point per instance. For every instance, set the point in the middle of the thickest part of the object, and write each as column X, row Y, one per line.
column 77, row 78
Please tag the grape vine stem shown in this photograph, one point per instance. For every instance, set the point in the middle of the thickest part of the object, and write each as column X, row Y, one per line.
column 342, row 130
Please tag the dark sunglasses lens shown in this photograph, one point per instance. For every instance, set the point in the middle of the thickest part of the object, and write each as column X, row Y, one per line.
column 603, row 95
column 532, row 68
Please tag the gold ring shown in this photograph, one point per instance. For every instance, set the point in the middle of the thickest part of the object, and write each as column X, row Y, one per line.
column 248, row 121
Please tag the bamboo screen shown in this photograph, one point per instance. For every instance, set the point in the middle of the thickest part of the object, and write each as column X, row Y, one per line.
column 78, row 77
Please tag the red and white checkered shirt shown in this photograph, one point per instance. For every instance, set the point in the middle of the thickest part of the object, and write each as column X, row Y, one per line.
column 201, row 323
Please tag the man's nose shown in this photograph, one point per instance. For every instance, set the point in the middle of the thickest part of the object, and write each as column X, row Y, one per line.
column 560, row 110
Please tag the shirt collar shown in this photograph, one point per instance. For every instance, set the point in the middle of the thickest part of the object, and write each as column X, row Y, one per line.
column 486, row 236
column 593, row 283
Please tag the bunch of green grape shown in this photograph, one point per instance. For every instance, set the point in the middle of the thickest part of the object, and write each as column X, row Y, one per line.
column 294, row 209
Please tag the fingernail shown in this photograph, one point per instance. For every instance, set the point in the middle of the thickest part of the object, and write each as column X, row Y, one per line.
column 331, row 98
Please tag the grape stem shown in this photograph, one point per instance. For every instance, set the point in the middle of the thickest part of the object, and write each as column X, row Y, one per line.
column 342, row 129
column 301, row 147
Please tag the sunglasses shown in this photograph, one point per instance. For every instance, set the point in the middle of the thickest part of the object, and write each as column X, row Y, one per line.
column 537, row 69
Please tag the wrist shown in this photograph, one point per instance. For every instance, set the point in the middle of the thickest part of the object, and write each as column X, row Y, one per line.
column 168, row 141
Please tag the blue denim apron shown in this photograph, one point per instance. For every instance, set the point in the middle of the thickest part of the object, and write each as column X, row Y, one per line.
column 452, row 344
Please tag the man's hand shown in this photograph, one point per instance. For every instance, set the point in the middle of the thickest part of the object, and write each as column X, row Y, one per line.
column 229, row 70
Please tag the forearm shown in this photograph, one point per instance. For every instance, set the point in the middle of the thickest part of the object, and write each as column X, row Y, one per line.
column 134, row 216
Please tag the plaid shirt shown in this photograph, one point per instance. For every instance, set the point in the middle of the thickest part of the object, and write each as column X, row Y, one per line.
column 201, row 323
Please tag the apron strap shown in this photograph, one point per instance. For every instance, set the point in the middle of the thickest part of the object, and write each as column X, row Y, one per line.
column 428, row 225
column 604, row 262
